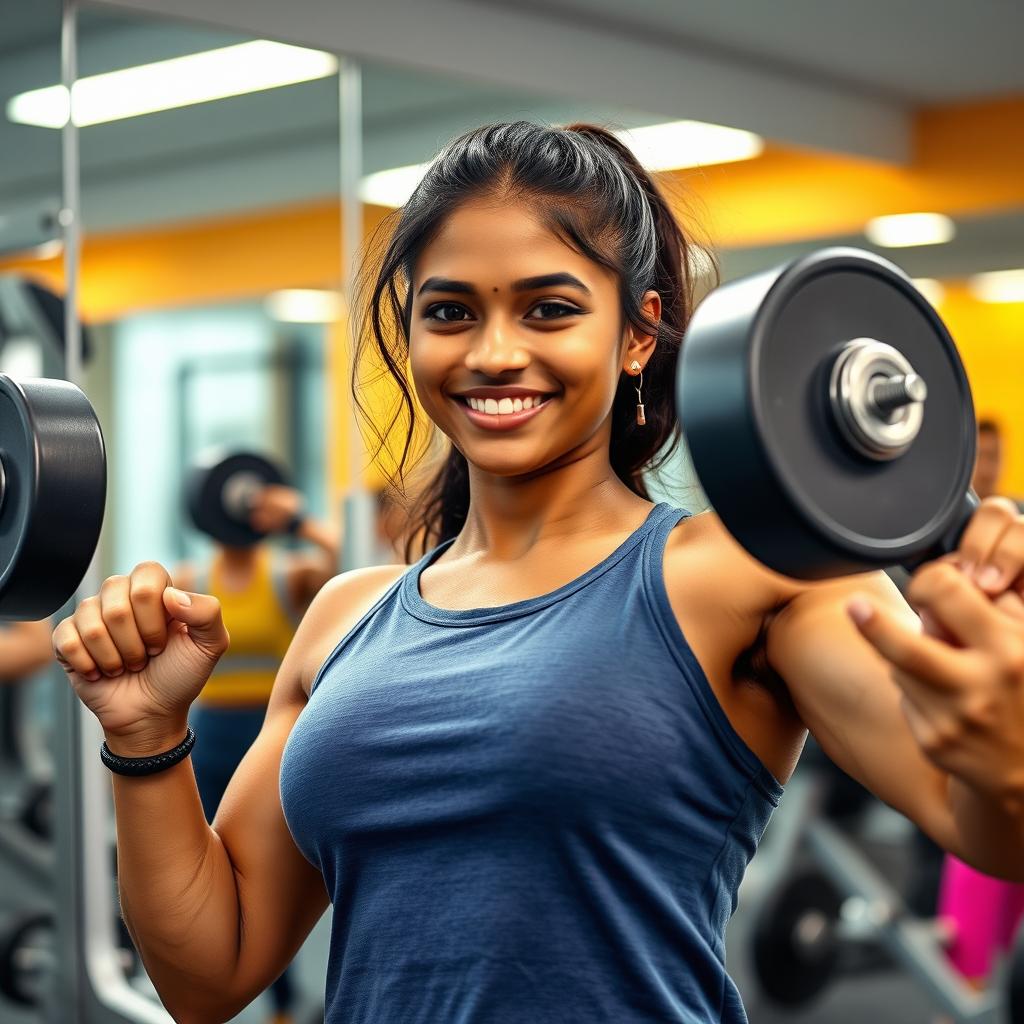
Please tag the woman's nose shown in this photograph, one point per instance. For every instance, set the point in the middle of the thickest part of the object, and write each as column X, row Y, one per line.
column 497, row 348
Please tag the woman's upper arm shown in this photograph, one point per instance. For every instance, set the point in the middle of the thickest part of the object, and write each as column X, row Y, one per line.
column 281, row 895
column 844, row 692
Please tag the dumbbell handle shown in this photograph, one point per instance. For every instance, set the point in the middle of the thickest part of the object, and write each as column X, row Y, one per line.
column 889, row 395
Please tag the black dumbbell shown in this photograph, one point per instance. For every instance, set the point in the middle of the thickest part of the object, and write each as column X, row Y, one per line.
column 795, row 948
column 219, row 494
column 53, row 484
column 829, row 417
column 27, row 956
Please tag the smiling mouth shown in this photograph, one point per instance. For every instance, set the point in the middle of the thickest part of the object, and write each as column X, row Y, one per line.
column 502, row 415
column 503, row 406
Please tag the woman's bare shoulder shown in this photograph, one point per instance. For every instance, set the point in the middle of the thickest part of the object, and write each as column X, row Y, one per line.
column 702, row 542
column 339, row 605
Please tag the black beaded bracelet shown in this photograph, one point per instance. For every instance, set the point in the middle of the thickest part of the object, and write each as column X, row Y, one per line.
column 148, row 765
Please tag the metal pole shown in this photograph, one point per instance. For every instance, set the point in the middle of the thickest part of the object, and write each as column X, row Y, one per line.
column 70, row 210
column 91, row 985
column 67, row 988
column 358, row 547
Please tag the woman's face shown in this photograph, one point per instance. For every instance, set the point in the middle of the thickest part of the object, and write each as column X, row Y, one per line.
column 506, row 314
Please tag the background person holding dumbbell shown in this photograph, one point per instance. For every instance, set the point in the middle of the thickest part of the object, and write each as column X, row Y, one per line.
column 263, row 593
column 529, row 770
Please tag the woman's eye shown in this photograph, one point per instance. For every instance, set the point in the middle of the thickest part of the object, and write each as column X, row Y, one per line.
column 554, row 310
column 446, row 312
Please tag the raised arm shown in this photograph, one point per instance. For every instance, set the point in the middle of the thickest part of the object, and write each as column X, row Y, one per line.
column 215, row 912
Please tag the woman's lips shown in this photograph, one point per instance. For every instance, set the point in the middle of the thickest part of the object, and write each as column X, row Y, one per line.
column 500, row 420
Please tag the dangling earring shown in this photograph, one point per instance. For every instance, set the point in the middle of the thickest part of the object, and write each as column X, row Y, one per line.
column 641, row 419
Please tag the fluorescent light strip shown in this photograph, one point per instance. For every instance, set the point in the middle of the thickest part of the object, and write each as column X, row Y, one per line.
column 907, row 229
column 392, row 187
column 179, row 82
column 931, row 289
column 998, row 286
column 659, row 147
column 678, row 144
column 305, row 306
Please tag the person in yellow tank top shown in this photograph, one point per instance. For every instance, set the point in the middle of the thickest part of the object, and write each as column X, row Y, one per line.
column 263, row 593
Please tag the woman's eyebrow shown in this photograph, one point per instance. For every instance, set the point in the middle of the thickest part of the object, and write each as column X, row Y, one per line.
column 529, row 284
column 444, row 284
column 526, row 284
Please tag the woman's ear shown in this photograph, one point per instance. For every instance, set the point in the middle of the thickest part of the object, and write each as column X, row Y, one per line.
column 640, row 346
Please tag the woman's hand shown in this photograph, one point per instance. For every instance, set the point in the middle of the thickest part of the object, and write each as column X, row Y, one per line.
column 962, row 677
column 138, row 653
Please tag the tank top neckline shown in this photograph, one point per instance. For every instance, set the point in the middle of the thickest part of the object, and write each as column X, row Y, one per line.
column 415, row 604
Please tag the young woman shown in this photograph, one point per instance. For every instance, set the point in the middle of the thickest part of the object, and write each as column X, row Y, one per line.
column 530, row 769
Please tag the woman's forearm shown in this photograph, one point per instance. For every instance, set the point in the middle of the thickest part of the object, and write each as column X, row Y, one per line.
column 991, row 831
column 178, row 890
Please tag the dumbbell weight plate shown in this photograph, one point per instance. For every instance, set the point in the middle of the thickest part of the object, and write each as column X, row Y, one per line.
column 795, row 949
column 213, row 491
column 54, row 487
column 769, row 445
column 26, row 957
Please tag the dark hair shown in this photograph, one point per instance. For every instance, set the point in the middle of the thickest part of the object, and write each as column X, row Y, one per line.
column 591, row 192
column 986, row 425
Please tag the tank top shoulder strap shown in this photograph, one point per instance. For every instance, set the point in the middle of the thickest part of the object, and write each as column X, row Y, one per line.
column 392, row 591
column 653, row 575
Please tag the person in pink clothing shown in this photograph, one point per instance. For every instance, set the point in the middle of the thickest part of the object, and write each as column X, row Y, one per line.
column 985, row 912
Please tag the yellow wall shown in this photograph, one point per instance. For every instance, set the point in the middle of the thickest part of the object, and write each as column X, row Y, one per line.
column 967, row 160
column 990, row 338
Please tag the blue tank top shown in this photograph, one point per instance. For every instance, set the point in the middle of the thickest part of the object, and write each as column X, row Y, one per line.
column 536, row 812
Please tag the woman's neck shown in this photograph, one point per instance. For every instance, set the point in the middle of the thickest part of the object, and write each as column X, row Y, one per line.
column 507, row 518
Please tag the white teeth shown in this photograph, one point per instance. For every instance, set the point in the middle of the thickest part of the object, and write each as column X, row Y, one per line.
column 504, row 406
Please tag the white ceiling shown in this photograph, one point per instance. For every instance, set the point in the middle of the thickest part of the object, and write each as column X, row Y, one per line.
column 581, row 59
column 914, row 51
column 817, row 70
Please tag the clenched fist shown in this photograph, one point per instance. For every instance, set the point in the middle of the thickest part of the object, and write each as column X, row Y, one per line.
column 139, row 653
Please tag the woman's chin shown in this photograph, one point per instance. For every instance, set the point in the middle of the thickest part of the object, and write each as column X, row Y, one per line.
column 511, row 464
